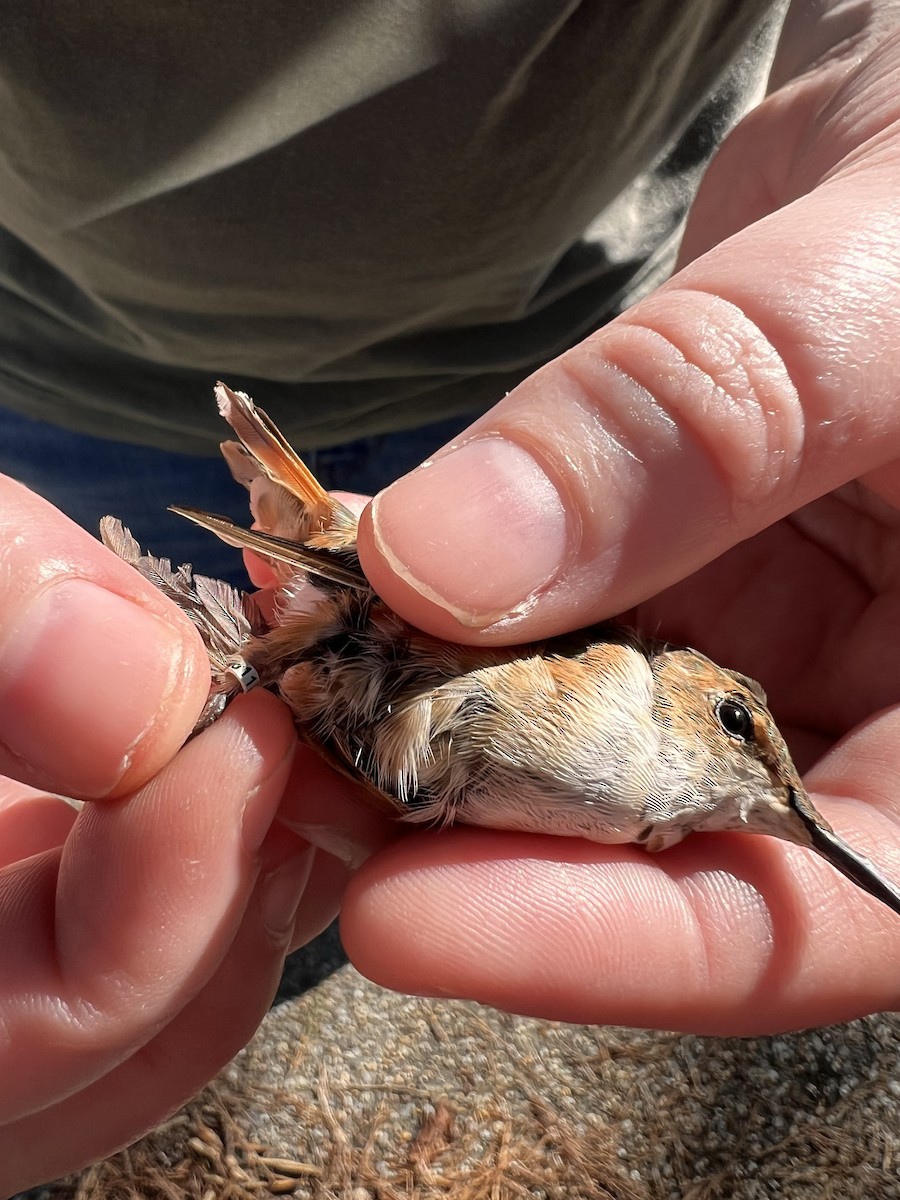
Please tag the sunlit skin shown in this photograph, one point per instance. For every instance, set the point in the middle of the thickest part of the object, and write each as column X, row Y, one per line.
column 727, row 934
column 600, row 734
column 404, row 899
column 736, row 934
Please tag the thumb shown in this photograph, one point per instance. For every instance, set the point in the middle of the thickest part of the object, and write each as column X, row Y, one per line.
column 760, row 377
column 101, row 676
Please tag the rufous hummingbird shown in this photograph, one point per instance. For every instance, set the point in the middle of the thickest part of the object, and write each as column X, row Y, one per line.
column 597, row 734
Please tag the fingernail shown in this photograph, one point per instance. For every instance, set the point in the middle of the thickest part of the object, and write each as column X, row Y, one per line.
column 340, row 843
column 282, row 890
column 477, row 531
column 84, row 674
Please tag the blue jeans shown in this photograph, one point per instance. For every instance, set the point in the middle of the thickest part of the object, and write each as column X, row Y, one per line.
column 88, row 477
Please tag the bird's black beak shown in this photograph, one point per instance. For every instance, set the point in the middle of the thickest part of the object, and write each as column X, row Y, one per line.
column 855, row 866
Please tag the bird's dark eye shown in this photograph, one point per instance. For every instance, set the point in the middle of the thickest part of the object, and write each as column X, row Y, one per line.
column 735, row 719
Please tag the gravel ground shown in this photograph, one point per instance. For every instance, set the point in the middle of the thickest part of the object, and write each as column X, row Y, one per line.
column 353, row 1092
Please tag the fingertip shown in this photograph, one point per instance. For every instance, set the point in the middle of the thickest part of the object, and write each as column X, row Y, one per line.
column 260, row 571
column 723, row 934
column 260, row 717
column 322, row 899
column 170, row 725
column 31, row 821
column 101, row 676
column 250, row 748
column 399, row 595
column 475, row 533
column 334, row 813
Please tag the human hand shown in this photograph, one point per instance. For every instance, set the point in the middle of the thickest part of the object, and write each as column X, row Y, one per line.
column 723, row 461
column 141, row 939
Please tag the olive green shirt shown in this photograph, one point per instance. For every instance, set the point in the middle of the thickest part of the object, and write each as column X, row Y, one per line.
column 368, row 213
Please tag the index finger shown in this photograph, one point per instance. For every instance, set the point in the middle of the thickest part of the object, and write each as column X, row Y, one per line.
column 729, row 934
column 107, row 938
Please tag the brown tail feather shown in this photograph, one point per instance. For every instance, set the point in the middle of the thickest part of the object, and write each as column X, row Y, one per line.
column 324, row 563
column 330, row 521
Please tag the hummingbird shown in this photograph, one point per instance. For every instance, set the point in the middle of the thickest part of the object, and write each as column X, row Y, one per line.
column 599, row 734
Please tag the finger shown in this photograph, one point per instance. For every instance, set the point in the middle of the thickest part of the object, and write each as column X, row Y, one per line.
column 715, row 939
column 784, row 146
column 107, row 939
column 720, row 935
column 355, row 501
column 101, row 677
column 322, row 899
column 335, row 815
column 763, row 375
column 340, row 820
column 31, row 821
column 188, row 1051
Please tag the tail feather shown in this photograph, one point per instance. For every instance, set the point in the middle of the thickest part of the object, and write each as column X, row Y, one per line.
column 226, row 618
column 336, row 566
column 286, row 499
column 330, row 523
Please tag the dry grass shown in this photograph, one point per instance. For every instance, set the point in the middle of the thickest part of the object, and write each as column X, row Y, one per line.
column 642, row 1118
column 204, row 1154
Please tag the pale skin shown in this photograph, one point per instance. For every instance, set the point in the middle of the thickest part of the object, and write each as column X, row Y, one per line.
column 766, row 378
